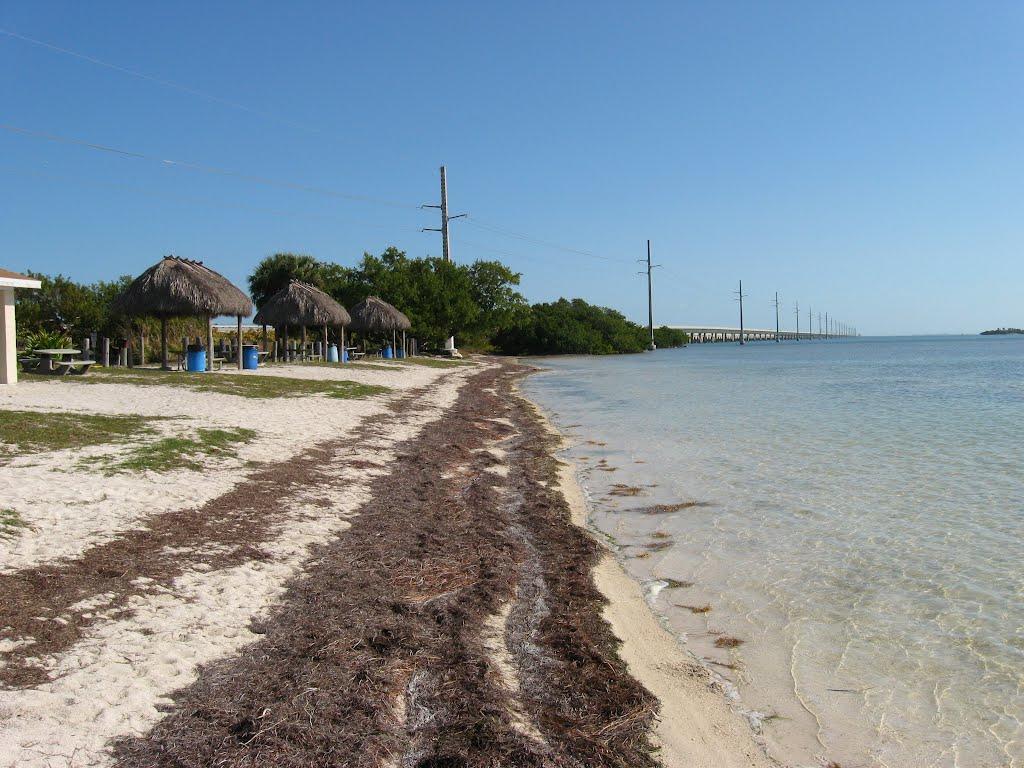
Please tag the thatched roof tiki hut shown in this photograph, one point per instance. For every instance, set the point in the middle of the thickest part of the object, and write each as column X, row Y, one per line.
column 175, row 287
column 304, row 305
column 374, row 315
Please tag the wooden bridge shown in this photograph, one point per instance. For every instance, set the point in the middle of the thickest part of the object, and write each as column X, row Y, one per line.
column 706, row 334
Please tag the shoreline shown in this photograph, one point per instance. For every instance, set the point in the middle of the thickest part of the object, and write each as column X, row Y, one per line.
column 413, row 581
column 697, row 727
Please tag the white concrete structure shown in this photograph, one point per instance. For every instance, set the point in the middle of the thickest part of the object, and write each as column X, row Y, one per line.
column 8, row 337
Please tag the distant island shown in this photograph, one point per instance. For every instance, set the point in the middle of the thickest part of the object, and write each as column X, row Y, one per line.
column 1002, row 331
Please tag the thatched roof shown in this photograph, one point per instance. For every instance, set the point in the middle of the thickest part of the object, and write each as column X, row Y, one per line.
column 374, row 314
column 300, row 303
column 176, row 287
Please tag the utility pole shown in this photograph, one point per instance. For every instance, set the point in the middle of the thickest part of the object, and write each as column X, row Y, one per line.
column 826, row 325
column 739, row 297
column 446, row 250
column 819, row 323
column 810, row 324
column 650, row 293
column 796, row 308
column 776, row 317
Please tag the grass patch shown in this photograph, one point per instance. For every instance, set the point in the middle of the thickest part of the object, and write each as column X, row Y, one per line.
column 35, row 431
column 262, row 387
column 358, row 364
column 11, row 523
column 434, row 362
column 380, row 363
column 181, row 452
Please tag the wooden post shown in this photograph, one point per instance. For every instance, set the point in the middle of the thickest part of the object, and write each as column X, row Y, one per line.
column 286, row 350
column 325, row 344
column 106, row 352
column 405, row 349
column 164, row 364
column 341, row 352
column 209, row 342
column 86, row 349
column 302, row 354
column 142, row 347
column 239, row 334
column 263, row 343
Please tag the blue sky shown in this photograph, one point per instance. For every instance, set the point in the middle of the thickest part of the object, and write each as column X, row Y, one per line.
column 864, row 158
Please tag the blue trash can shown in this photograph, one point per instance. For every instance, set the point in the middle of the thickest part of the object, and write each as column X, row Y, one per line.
column 332, row 353
column 399, row 353
column 195, row 358
column 388, row 354
column 250, row 357
column 344, row 355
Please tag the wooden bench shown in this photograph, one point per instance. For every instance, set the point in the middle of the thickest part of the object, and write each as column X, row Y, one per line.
column 74, row 367
column 219, row 362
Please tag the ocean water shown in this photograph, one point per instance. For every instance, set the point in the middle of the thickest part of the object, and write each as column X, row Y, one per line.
column 858, row 528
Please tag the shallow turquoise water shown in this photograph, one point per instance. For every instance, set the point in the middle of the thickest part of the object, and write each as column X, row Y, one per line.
column 862, row 533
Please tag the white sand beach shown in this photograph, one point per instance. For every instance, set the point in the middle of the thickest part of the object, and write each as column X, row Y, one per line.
column 138, row 644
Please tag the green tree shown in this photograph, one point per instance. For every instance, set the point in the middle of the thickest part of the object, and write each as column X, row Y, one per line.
column 572, row 328
column 273, row 273
column 493, row 289
column 77, row 309
column 667, row 338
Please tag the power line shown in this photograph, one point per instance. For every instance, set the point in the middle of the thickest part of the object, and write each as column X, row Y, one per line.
column 199, row 200
column 286, row 184
column 225, row 172
column 201, row 167
column 235, row 174
column 159, row 81
column 473, row 221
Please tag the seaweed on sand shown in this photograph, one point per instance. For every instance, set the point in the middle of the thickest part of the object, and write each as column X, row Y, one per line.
column 671, row 583
column 726, row 641
column 376, row 656
column 621, row 489
column 696, row 608
column 668, row 509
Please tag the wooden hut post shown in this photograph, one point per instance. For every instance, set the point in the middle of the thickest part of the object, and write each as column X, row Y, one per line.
column 405, row 349
column 264, row 341
column 142, row 347
column 163, row 344
column 238, row 333
column 324, row 350
column 209, row 342
column 302, row 356
column 286, row 350
column 394, row 343
column 341, row 352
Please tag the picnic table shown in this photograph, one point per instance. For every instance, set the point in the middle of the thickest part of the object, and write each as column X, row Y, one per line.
column 53, row 361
